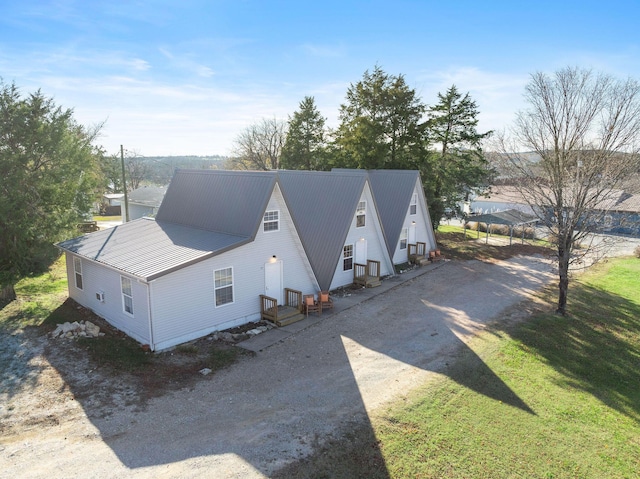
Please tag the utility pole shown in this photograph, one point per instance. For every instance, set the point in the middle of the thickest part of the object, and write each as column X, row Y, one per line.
column 124, row 186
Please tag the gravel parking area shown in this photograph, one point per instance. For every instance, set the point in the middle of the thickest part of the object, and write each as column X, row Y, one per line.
column 276, row 406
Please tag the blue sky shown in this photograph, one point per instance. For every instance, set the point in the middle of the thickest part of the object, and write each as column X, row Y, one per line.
column 187, row 76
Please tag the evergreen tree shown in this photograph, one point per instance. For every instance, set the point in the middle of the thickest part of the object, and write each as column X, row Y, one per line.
column 458, row 167
column 380, row 124
column 49, row 172
column 305, row 146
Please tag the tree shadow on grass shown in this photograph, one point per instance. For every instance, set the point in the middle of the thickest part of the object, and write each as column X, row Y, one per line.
column 596, row 348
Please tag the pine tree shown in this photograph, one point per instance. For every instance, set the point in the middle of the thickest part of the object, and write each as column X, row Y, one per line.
column 305, row 146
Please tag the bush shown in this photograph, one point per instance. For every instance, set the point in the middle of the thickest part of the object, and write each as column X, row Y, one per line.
column 636, row 252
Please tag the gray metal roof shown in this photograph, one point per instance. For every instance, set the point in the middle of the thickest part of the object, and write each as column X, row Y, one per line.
column 148, row 249
column 507, row 217
column 147, row 195
column 322, row 205
column 392, row 190
column 231, row 202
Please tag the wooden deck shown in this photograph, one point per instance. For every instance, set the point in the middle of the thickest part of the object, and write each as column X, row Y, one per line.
column 418, row 254
column 281, row 315
column 367, row 275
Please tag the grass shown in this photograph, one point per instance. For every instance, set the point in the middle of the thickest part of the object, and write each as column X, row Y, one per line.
column 455, row 243
column 552, row 397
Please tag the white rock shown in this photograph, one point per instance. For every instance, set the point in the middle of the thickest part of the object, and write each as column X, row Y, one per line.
column 92, row 329
column 205, row 371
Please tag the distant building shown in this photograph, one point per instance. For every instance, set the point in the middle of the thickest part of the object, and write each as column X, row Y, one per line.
column 144, row 201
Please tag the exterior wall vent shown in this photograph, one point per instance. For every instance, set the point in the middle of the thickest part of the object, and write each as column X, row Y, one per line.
column 100, row 296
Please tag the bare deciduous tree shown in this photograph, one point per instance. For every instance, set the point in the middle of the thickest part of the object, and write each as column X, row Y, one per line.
column 583, row 129
column 259, row 146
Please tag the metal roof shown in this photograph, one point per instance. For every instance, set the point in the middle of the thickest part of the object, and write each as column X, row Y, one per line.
column 148, row 249
column 147, row 195
column 322, row 205
column 393, row 190
column 507, row 217
column 231, row 202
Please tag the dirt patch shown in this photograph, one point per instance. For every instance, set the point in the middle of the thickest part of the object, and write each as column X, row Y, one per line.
column 44, row 380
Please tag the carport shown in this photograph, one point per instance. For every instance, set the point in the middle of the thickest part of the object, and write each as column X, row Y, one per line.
column 509, row 218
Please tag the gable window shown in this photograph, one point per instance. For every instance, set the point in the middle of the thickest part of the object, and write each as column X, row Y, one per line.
column 223, row 286
column 77, row 269
column 403, row 238
column 271, row 221
column 347, row 257
column 127, row 295
column 361, row 213
column 413, row 206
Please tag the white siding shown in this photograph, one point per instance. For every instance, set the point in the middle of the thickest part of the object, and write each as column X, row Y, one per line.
column 376, row 248
column 96, row 278
column 424, row 229
column 183, row 302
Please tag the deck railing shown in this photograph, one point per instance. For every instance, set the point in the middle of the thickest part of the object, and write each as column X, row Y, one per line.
column 366, row 274
column 269, row 308
column 293, row 298
column 415, row 251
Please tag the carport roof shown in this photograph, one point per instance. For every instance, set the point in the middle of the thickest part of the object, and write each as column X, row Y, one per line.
column 507, row 217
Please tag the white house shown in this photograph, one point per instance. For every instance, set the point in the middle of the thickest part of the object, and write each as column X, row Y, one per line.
column 223, row 240
column 219, row 240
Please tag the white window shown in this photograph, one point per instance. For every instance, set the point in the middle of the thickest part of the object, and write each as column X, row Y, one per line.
column 127, row 295
column 413, row 206
column 361, row 213
column 223, row 286
column 347, row 257
column 271, row 220
column 404, row 233
column 77, row 268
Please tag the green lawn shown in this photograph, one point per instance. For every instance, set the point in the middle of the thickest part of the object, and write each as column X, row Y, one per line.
column 562, row 399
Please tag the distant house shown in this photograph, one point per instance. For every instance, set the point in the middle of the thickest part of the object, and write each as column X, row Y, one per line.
column 111, row 204
column 224, row 242
column 620, row 212
column 144, row 201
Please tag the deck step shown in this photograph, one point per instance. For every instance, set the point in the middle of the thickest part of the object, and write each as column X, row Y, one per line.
column 290, row 320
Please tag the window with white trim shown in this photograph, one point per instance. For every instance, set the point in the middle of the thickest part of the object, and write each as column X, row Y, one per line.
column 361, row 213
column 347, row 257
column 404, row 233
column 271, row 221
column 127, row 295
column 413, row 206
column 223, row 286
column 77, row 269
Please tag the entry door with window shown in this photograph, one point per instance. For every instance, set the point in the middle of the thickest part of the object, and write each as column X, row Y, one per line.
column 273, row 286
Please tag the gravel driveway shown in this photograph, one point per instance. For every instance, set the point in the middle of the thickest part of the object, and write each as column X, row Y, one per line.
column 271, row 409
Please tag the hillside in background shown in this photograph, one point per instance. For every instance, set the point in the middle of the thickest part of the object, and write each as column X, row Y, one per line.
column 159, row 169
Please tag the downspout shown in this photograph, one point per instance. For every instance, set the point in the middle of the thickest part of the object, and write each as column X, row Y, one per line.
column 151, row 340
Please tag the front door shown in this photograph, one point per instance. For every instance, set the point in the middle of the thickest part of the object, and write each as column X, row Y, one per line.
column 412, row 233
column 360, row 254
column 273, row 281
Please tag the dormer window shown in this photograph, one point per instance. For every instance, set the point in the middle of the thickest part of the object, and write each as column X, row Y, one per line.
column 361, row 213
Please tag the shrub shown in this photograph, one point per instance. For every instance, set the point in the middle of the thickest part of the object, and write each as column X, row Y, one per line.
column 636, row 251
